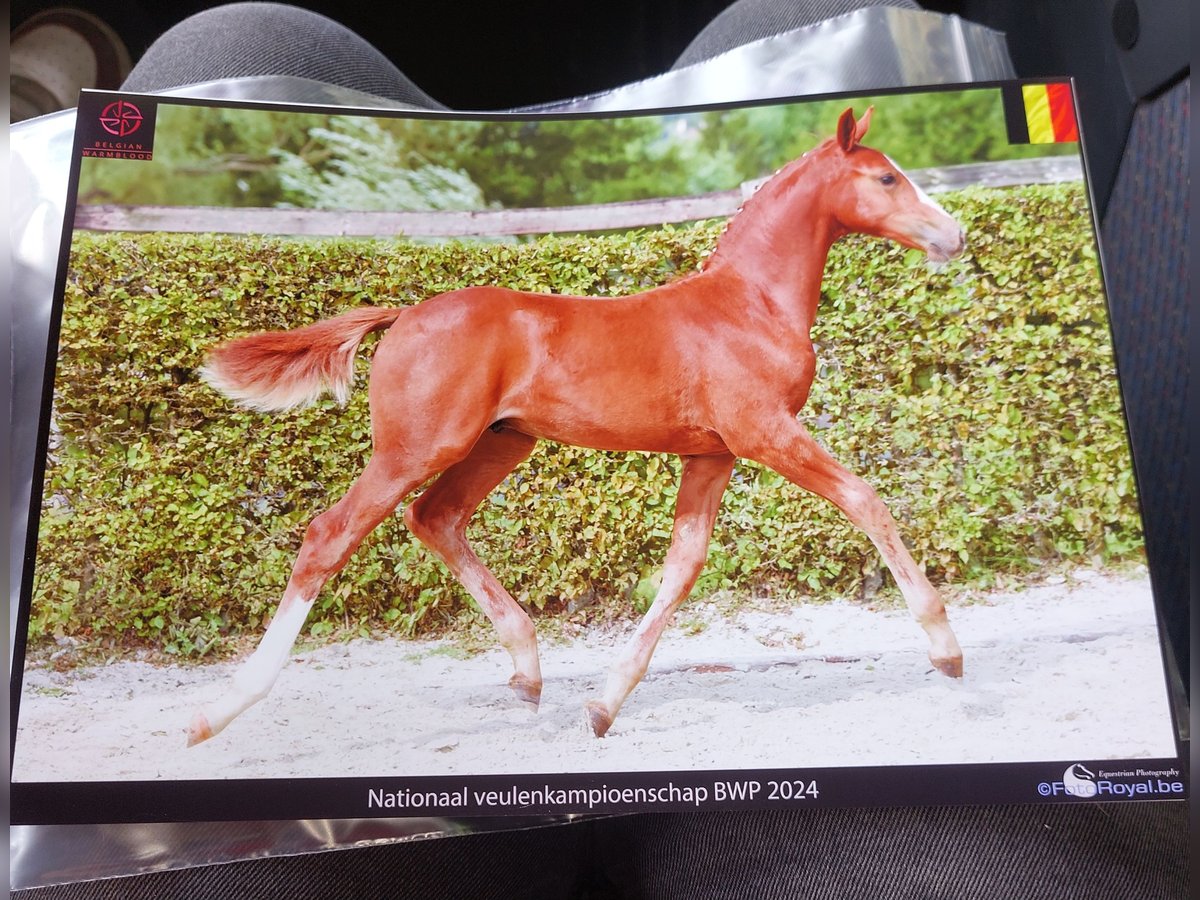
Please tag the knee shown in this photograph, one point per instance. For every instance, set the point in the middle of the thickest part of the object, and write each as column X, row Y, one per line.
column 861, row 504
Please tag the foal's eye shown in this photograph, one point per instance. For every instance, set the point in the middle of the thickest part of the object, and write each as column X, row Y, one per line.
column 888, row 179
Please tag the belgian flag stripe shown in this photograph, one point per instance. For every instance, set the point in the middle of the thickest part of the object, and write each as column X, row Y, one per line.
column 1014, row 114
column 1049, row 113
column 1037, row 113
column 1062, row 111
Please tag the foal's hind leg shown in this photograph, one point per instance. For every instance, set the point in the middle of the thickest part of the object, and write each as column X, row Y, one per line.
column 331, row 538
column 786, row 446
column 700, row 488
column 439, row 518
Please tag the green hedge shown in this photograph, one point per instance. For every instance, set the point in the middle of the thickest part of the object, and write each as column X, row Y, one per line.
column 979, row 400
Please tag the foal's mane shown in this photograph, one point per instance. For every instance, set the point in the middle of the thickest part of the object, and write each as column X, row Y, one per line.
column 763, row 192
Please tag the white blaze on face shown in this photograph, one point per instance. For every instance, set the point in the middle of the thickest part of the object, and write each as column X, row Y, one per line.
column 949, row 235
column 921, row 195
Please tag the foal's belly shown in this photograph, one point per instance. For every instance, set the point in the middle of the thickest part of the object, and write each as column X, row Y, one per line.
column 682, row 440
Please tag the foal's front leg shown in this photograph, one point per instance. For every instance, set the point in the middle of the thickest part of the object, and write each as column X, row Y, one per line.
column 700, row 488
column 786, row 446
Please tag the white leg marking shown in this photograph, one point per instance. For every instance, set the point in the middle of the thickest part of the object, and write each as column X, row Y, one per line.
column 627, row 672
column 254, row 679
column 513, row 627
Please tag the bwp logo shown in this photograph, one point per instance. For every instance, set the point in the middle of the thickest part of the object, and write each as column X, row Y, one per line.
column 116, row 129
column 121, row 118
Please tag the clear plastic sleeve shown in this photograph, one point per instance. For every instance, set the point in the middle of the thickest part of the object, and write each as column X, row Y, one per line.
column 868, row 49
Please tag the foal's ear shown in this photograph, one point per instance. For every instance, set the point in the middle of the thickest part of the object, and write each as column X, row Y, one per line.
column 863, row 124
column 845, row 130
column 849, row 132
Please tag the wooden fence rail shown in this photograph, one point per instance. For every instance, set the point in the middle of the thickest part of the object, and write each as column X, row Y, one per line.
column 492, row 222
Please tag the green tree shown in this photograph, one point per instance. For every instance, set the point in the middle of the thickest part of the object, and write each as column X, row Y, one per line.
column 356, row 164
column 916, row 130
column 569, row 162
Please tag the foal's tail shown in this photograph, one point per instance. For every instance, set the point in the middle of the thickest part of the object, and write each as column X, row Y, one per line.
column 277, row 370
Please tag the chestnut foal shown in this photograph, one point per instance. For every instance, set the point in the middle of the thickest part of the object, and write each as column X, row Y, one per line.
column 712, row 367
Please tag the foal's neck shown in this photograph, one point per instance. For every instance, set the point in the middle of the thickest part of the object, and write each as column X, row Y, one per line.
column 778, row 242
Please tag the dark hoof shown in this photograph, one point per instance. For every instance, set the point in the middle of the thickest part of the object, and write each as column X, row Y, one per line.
column 952, row 666
column 526, row 690
column 598, row 718
column 199, row 730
